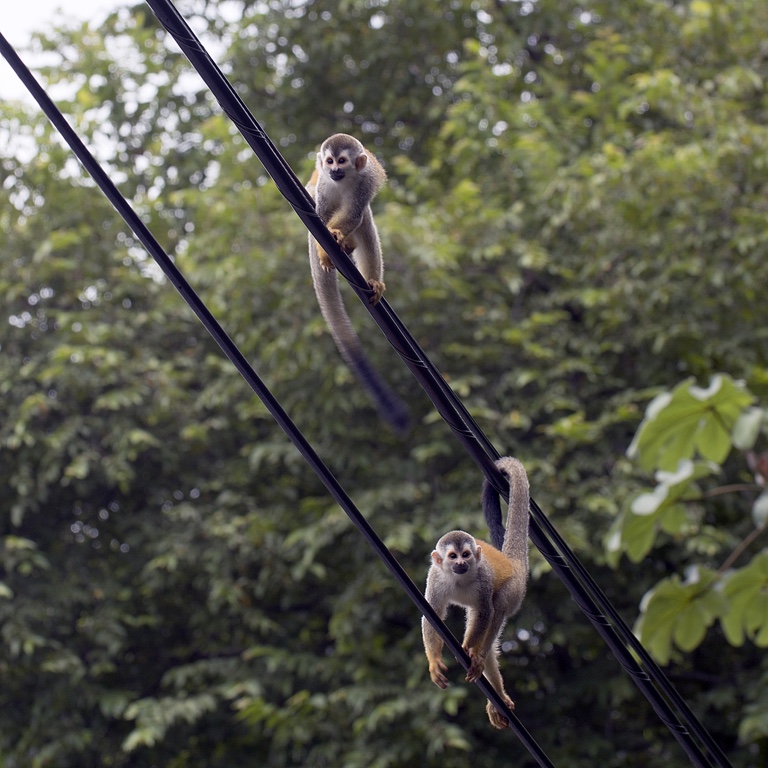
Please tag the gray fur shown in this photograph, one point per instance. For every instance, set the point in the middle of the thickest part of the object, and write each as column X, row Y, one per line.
column 344, row 205
column 488, row 582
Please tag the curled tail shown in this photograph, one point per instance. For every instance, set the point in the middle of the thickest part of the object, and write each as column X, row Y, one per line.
column 512, row 541
column 492, row 513
column 389, row 405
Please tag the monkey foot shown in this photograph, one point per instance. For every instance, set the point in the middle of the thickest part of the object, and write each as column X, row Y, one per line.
column 496, row 718
column 378, row 289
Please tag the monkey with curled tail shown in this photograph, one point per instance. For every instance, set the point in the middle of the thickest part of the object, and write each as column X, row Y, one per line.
column 487, row 580
column 345, row 180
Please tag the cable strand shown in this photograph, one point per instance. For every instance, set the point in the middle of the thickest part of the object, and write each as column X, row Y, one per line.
column 233, row 353
column 583, row 587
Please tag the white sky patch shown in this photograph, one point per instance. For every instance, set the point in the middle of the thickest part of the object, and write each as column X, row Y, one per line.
column 19, row 20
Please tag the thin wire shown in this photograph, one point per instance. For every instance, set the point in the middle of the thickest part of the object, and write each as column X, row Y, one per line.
column 449, row 406
column 543, row 529
column 231, row 350
column 588, row 595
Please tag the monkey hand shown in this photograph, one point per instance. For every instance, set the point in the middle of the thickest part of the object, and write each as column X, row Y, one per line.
column 497, row 719
column 378, row 288
column 324, row 259
column 436, row 671
column 476, row 666
column 346, row 244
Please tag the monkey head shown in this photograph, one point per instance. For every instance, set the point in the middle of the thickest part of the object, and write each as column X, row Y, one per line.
column 340, row 153
column 457, row 552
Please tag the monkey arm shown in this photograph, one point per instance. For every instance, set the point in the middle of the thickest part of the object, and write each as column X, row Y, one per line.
column 477, row 638
column 433, row 643
column 346, row 215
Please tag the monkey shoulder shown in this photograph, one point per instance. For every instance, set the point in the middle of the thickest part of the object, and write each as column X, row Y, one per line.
column 375, row 173
column 502, row 567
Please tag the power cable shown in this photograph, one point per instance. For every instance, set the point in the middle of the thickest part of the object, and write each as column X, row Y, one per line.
column 233, row 353
column 564, row 562
column 587, row 595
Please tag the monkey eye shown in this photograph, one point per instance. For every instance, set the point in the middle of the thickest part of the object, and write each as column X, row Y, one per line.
column 329, row 160
column 452, row 555
column 466, row 553
column 342, row 160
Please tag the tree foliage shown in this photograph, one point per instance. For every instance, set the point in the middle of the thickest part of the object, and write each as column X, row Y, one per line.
column 574, row 225
column 695, row 430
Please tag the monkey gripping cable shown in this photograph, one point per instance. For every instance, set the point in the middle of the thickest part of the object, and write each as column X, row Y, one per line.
column 564, row 562
column 232, row 352
column 586, row 592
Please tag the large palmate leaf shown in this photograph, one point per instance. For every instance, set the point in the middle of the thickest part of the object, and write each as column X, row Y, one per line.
column 690, row 420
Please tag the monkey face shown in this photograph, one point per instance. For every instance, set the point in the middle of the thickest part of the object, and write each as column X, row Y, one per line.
column 337, row 165
column 457, row 552
column 459, row 562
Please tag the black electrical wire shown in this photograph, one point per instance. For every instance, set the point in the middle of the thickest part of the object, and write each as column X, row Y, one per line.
column 449, row 406
column 231, row 350
column 587, row 594
column 437, row 389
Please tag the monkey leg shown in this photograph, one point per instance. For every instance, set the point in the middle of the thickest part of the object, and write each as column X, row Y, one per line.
column 493, row 675
column 433, row 646
column 480, row 621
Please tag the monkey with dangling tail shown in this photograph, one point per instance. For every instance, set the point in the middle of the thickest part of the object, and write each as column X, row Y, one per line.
column 489, row 581
column 345, row 180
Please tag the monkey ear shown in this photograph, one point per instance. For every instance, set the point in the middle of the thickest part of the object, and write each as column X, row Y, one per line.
column 478, row 552
column 361, row 161
column 436, row 557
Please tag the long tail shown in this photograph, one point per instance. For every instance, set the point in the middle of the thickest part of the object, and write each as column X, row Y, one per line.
column 492, row 513
column 513, row 540
column 389, row 405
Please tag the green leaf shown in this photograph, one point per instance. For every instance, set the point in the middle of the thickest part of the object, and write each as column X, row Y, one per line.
column 78, row 467
column 661, row 508
column 747, row 428
column 747, row 592
column 638, row 533
column 760, row 509
column 679, row 614
column 649, row 503
column 712, row 439
column 688, row 419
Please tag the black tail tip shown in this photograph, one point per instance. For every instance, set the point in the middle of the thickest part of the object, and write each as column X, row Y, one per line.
column 391, row 408
column 396, row 414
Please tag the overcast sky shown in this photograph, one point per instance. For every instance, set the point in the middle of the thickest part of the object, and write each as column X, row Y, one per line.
column 19, row 19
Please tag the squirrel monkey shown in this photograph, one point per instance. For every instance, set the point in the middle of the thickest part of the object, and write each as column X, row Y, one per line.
column 488, row 581
column 345, row 180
